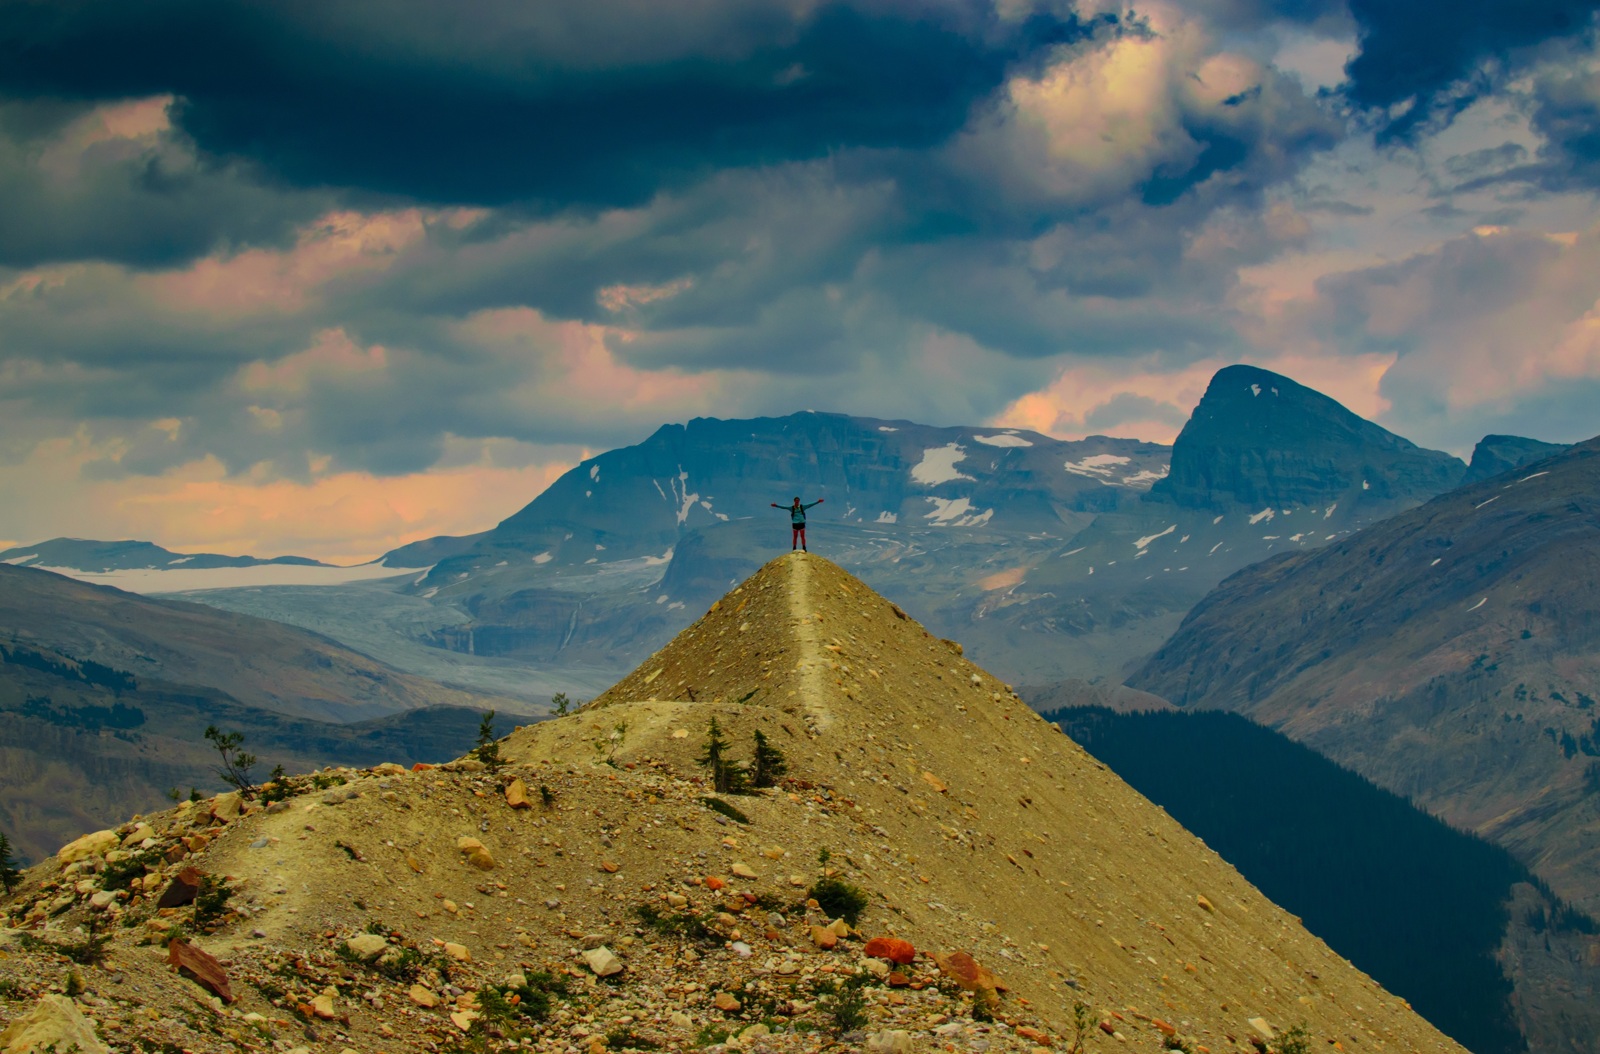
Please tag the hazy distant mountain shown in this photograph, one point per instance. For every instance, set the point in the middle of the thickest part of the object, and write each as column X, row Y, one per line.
column 604, row 566
column 1451, row 654
column 1451, row 923
column 83, row 554
column 104, row 697
column 1496, row 454
column 1048, row 559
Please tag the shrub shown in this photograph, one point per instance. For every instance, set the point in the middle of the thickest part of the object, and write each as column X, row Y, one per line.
column 236, row 764
column 839, row 899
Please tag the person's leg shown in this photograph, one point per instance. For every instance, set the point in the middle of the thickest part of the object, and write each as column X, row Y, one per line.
column 794, row 539
column 803, row 548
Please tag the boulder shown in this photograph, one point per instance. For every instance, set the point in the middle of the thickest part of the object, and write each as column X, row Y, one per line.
column 458, row 952
column 54, row 1023
column 893, row 949
column 367, row 945
column 727, row 1002
column 200, row 965
column 322, row 1007
column 890, row 1041
column 97, row 844
column 423, row 996
column 183, row 888
column 602, row 961
column 743, row 870
column 226, row 807
column 517, row 795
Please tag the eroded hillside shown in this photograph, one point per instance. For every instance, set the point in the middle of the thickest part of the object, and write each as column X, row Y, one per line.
column 394, row 910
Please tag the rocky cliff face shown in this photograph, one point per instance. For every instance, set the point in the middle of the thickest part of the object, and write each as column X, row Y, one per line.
column 1259, row 440
column 1496, row 454
column 1449, row 654
column 937, row 866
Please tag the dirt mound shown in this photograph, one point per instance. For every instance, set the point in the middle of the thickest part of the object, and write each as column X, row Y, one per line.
column 1029, row 898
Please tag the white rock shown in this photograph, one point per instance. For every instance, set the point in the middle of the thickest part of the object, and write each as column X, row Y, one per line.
column 602, row 961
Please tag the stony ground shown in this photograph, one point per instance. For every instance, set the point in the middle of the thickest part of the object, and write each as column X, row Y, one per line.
column 592, row 892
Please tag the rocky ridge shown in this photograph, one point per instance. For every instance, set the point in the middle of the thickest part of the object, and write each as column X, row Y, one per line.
column 1449, row 654
column 587, row 891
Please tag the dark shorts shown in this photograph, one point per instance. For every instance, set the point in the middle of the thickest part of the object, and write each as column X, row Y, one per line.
column 799, row 526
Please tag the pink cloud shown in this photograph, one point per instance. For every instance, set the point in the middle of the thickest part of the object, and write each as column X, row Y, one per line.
column 342, row 517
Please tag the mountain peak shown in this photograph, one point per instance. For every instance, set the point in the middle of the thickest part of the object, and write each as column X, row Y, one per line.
column 1258, row 438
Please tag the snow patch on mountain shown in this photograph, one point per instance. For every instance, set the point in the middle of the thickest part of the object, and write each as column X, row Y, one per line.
column 938, row 465
column 957, row 512
column 1144, row 543
column 1096, row 466
column 1003, row 439
column 1264, row 514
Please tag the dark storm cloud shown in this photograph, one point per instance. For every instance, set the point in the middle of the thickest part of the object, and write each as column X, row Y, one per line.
column 1436, row 52
column 560, row 105
column 145, row 201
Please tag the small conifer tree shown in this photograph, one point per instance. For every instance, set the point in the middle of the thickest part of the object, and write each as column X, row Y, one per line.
column 488, row 748
column 9, row 875
column 560, row 705
column 727, row 775
column 768, row 766
column 236, row 764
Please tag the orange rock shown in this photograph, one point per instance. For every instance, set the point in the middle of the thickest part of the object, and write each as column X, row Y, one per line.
column 894, row 949
column 1164, row 1028
column 726, row 1002
column 194, row 962
column 898, row 980
column 421, row 766
column 824, row 937
column 1032, row 1033
column 712, row 882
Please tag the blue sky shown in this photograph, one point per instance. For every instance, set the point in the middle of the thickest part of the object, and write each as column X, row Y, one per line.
column 325, row 278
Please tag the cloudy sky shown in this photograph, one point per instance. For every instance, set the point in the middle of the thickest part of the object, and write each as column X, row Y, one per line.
column 323, row 277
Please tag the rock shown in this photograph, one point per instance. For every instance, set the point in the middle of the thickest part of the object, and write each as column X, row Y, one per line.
column 477, row 853
column 877, row 968
column 458, row 952
column 714, row 883
column 367, row 945
column 610, row 868
column 1205, row 904
column 103, row 899
column 1260, row 1025
column 602, row 961
column 225, row 807
column 340, row 795
column 890, row 1041
column 677, row 900
column 726, row 1002
column 840, row 928
column 895, row 950
column 97, row 844
column 322, row 1006
column 936, row 783
column 755, row 1031
column 54, row 1023
column 824, row 937
column 743, row 870
column 517, row 795
column 423, row 997
column 681, row 1020
column 463, row 1019
column 183, row 888
column 201, row 966
column 965, row 971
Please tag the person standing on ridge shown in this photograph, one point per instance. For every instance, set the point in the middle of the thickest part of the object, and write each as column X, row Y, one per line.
column 797, row 521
